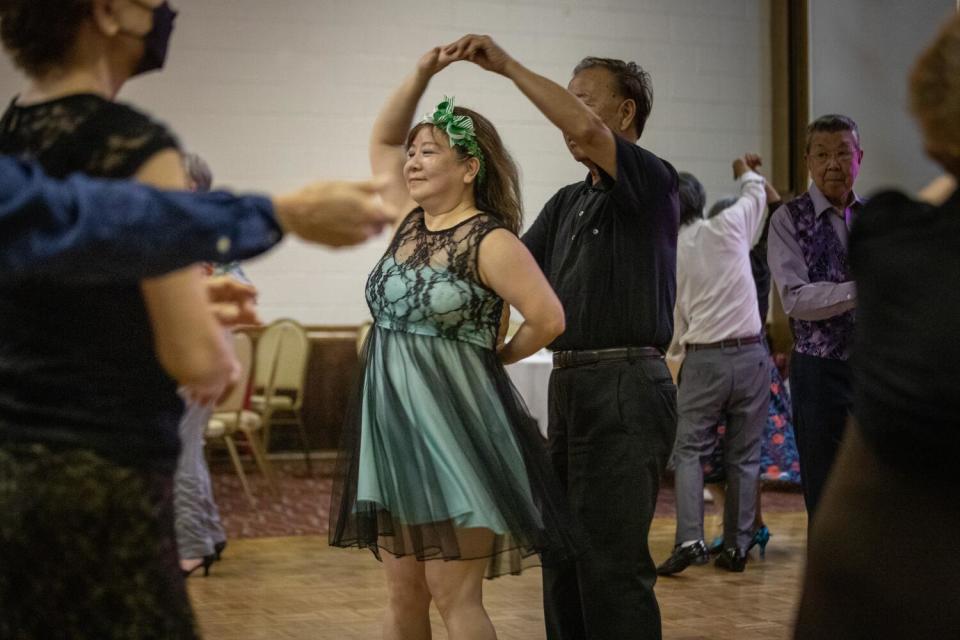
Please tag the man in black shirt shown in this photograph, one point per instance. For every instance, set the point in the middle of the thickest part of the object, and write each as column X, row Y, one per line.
column 608, row 246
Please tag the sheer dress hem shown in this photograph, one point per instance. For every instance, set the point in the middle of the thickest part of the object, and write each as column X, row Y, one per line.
column 490, row 457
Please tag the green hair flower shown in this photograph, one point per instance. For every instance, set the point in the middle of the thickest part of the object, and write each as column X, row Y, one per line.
column 459, row 130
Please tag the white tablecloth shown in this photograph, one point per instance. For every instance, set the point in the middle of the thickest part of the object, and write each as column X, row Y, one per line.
column 531, row 377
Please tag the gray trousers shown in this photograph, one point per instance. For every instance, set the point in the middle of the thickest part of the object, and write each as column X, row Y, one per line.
column 732, row 386
column 196, row 518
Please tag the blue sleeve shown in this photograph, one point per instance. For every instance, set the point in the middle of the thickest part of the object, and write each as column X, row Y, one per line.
column 90, row 230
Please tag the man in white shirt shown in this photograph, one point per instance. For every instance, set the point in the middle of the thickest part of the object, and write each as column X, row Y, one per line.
column 725, row 376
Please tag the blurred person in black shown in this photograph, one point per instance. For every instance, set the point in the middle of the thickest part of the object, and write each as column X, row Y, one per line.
column 882, row 561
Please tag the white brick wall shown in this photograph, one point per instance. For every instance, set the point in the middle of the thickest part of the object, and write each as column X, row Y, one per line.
column 869, row 82
column 276, row 93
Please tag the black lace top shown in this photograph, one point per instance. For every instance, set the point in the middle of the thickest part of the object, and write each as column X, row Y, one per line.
column 428, row 282
column 77, row 363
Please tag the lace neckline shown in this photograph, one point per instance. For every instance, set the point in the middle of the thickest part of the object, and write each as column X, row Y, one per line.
column 70, row 97
column 423, row 223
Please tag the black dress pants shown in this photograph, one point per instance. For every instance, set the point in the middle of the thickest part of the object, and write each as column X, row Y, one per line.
column 611, row 430
column 822, row 399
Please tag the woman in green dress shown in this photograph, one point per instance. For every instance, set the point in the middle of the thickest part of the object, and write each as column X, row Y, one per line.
column 440, row 460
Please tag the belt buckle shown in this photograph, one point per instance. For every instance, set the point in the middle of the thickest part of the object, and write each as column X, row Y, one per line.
column 560, row 359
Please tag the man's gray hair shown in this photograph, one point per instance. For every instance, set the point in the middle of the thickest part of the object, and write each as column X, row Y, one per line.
column 198, row 172
column 693, row 198
column 632, row 82
column 832, row 123
column 720, row 205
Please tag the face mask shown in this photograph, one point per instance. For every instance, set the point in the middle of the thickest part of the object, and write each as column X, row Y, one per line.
column 155, row 43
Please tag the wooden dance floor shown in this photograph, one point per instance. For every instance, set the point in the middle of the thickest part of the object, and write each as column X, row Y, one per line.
column 298, row 588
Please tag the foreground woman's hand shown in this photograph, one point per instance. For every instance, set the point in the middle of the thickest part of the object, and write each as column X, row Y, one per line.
column 232, row 302
column 336, row 214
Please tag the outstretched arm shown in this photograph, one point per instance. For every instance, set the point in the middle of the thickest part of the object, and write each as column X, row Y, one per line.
column 111, row 231
column 565, row 110
column 84, row 229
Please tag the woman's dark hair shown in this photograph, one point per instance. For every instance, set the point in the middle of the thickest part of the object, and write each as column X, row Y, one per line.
column 499, row 192
column 632, row 82
column 38, row 34
column 692, row 198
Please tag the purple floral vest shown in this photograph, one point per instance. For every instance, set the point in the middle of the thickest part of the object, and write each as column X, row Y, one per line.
column 826, row 259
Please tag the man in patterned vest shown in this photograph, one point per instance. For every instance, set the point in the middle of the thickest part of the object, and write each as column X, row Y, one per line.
column 808, row 260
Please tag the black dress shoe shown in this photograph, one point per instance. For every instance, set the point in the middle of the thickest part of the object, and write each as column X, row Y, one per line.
column 732, row 560
column 683, row 557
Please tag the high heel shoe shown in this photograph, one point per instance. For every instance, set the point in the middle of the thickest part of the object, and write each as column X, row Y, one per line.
column 218, row 549
column 716, row 546
column 206, row 562
column 761, row 537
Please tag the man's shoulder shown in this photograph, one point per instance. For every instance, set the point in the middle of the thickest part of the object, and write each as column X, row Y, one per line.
column 634, row 153
column 564, row 195
column 709, row 233
column 801, row 200
column 803, row 203
column 124, row 121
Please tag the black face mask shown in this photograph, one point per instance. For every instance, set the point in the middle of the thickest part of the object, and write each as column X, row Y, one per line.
column 156, row 42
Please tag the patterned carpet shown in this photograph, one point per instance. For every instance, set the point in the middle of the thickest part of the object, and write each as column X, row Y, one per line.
column 300, row 504
column 298, row 507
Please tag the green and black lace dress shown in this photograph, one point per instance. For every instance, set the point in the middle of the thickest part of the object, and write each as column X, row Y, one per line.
column 437, row 446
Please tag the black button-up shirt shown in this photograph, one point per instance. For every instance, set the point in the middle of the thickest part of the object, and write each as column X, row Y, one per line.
column 610, row 252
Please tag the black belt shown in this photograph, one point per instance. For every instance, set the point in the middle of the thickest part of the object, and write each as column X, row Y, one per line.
column 726, row 344
column 563, row 359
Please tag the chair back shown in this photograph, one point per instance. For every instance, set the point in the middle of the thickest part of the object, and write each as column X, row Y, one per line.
column 362, row 332
column 282, row 353
column 243, row 349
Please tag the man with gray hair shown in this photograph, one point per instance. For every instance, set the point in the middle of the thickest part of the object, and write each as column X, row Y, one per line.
column 725, row 375
column 607, row 245
column 808, row 260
